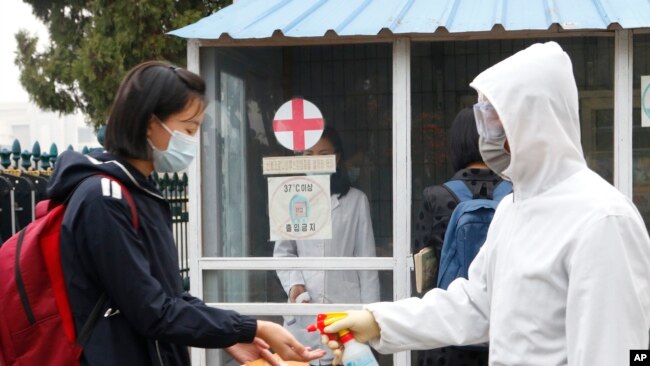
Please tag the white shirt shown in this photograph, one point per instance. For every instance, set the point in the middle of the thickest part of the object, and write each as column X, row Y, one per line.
column 564, row 275
column 352, row 236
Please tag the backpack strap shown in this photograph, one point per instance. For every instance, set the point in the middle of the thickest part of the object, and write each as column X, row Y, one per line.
column 458, row 190
column 95, row 313
column 89, row 325
column 501, row 190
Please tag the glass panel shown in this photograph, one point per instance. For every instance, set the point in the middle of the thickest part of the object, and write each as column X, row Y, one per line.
column 232, row 222
column 323, row 287
column 351, row 85
column 641, row 135
column 440, row 77
column 328, row 287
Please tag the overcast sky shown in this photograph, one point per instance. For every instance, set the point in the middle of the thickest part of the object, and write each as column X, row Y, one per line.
column 15, row 15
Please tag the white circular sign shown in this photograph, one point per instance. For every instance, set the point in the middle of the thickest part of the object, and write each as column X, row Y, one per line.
column 298, row 124
column 300, row 207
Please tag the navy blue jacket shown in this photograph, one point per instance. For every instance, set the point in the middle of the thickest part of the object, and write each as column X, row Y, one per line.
column 102, row 253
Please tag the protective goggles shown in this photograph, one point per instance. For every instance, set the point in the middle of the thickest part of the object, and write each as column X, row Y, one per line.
column 488, row 124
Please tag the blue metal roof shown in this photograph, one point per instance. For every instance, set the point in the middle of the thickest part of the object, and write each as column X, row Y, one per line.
column 253, row 19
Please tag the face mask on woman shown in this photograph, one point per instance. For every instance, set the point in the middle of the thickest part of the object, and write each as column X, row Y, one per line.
column 179, row 154
column 492, row 138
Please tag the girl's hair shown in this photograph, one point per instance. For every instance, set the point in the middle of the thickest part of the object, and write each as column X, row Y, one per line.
column 150, row 88
column 339, row 181
column 463, row 140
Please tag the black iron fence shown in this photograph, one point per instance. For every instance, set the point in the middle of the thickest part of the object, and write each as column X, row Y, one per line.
column 24, row 176
column 174, row 188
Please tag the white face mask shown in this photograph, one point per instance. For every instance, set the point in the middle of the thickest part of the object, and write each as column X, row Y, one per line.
column 179, row 154
column 494, row 155
column 492, row 138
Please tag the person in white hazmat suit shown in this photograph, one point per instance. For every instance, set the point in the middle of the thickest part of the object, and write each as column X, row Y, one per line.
column 564, row 275
column 352, row 236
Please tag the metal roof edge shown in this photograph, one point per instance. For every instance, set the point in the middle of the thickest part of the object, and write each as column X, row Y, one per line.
column 255, row 20
column 385, row 36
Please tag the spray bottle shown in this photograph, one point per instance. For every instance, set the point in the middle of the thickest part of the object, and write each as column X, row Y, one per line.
column 323, row 320
column 354, row 353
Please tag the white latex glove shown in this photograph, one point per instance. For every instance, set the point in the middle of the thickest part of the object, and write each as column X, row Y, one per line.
column 338, row 357
column 361, row 323
column 335, row 347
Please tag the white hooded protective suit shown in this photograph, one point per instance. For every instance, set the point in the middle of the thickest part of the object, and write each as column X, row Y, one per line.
column 563, row 277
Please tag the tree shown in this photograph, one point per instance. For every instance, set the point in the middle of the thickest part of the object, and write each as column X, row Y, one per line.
column 93, row 43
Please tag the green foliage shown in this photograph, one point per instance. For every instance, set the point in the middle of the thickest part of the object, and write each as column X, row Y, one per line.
column 94, row 42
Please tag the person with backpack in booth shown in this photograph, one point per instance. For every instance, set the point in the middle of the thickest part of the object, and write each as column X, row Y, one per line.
column 564, row 275
column 117, row 254
column 472, row 180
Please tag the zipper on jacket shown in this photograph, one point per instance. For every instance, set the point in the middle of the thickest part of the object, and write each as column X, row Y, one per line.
column 159, row 356
column 111, row 312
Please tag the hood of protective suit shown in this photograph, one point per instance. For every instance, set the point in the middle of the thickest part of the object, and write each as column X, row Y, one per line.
column 535, row 94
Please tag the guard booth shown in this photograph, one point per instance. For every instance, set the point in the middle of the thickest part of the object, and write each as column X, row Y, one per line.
column 390, row 76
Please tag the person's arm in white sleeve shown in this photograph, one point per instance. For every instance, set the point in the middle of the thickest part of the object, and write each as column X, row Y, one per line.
column 288, row 248
column 608, row 302
column 365, row 247
column 457, row 316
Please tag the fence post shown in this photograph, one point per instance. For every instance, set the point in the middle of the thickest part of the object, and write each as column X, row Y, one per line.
column 45, row 161
column 5, row 160
column 36, row 155
column 54, row 152
column 15, row 152
column 184, row 218
column 164, row 184
column 26, row 157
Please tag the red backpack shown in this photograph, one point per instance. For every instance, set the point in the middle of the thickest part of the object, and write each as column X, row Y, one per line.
column 36, row 323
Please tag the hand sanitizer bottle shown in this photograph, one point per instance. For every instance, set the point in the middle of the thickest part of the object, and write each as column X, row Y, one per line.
column 355, row 353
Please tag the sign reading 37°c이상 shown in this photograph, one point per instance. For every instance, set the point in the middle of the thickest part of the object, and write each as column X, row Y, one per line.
column 300, row 207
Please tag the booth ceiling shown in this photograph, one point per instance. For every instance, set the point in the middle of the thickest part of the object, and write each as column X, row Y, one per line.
column 256, row 19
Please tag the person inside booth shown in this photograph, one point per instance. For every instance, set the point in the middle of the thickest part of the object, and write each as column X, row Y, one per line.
column 352, row 236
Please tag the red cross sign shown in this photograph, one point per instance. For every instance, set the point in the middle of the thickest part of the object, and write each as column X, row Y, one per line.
column 298, row 124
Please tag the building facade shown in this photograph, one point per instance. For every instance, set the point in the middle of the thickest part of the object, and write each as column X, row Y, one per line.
column 28, row 124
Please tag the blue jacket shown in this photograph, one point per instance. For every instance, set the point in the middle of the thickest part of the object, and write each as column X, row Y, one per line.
column 102, row 253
